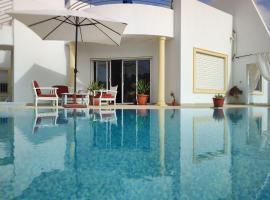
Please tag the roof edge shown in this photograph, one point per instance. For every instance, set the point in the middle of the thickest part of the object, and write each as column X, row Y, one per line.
column 261, row 17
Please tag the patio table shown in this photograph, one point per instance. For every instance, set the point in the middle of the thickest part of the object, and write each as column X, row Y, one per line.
column 83, row 96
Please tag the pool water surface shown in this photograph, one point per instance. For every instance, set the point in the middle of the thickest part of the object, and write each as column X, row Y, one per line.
column 107, row 154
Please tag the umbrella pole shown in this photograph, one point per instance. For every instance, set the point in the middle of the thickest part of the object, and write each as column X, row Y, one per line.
column 76, row 55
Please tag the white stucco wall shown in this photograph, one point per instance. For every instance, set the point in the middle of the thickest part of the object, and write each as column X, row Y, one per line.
column 141, row 19
column 173, row 58
column 203, row 27
column 5, row 59
column 6, row 35
column 252, row 37
column 38, row 4
column 35, row 59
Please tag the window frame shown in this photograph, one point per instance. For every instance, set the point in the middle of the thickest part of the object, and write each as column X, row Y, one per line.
column 213, row 54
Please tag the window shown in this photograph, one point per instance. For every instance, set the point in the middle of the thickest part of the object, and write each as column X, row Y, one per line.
column 259, row 85
column 209, row 72
column 3, row 88
column 255, row 80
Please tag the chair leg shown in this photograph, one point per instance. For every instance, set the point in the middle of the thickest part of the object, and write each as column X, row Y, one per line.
column 36, row 102
column 56, row 103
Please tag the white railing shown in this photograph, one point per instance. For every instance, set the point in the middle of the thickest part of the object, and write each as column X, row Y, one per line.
column 5, row 6
column 81, row 4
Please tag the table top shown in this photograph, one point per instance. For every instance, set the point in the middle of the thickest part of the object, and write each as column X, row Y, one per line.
column 72, row 93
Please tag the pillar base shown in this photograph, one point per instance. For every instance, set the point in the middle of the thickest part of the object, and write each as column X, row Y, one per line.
column 161, row 104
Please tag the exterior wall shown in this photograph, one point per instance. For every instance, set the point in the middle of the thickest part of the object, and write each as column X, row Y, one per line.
column 130, row 48
column 38, row 4
column 252, row 37
column 6, row 35
column 35, row 59
column 240, row 78
column 195, row 25
column 141, row 19
column 173, row 57
column 5, row 59
column 203, row 27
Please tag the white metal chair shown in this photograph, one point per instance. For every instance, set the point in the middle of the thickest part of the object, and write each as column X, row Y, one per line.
column 50, row 95
column 106, row 96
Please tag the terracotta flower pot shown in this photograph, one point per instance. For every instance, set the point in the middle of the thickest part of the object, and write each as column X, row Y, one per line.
column 218, row 102
column 91, row 98
column 142, row 99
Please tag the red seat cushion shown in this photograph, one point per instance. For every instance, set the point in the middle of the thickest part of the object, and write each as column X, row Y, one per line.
column 61, row 89
column 104, row 95
column 37, row 86
column 47, row 95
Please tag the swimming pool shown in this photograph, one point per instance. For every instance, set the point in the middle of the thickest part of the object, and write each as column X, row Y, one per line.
column 135, row 154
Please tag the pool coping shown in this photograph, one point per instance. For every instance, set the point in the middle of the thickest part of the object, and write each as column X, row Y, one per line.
column 183, row 106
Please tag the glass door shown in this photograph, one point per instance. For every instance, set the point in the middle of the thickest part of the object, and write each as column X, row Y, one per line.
column 102, row 73
column 4, row 85
column 129, row 81
column 143, row 71
column 124, row 74
column 116, row 78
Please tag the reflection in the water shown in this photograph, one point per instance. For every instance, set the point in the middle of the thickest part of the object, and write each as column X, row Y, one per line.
column 218, row 114
column 235, row 115
column 210, row 138
column 44, row 119
column 135, row 154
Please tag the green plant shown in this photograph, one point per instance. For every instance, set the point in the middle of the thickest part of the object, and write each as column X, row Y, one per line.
column 95, row 86
column 235, row 92
column 219, row 96
column 143, row 87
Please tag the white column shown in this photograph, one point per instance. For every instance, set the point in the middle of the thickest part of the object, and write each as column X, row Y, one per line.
column 161, row 72
column 71, row 63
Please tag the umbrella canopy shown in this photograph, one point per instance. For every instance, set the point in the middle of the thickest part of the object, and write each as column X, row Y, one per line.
column 70, row 25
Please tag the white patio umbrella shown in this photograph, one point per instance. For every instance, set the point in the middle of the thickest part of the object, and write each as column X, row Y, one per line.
column 70, row 25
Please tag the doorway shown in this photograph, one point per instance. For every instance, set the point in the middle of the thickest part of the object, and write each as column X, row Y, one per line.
column 122, row 72
column 5, row 74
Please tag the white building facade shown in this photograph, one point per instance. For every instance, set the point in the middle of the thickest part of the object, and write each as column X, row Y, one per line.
column 185, row 49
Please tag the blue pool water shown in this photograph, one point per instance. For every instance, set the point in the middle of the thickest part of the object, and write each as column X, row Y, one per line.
column 182, row 154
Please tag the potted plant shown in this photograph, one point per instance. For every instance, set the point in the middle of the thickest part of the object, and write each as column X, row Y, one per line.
column 173, row 99
column 235, row 92
column 218, row 100
column 143, row 89
column 95, row 85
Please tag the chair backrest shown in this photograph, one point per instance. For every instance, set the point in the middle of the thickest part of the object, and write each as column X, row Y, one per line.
column 35, row 87
column 114, row 88
column 61, row 89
